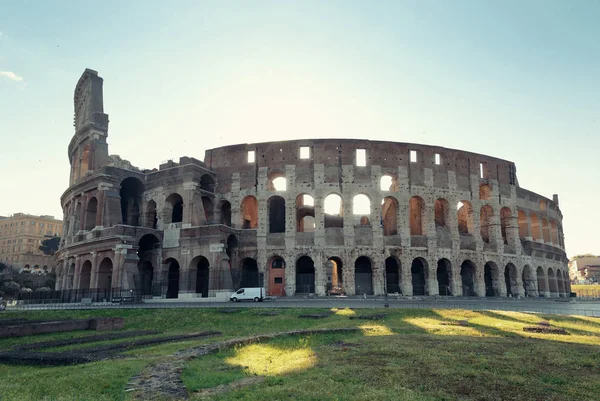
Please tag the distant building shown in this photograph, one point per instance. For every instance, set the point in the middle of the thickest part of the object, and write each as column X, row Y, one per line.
column 585, row 269
column 20, row 238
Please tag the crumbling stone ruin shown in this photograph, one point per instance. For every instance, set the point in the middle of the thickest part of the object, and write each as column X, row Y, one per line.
column 321, row 216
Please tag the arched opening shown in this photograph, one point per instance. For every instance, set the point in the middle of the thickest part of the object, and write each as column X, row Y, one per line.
column 505, row 216
column 442, row 210
column 202, row 276
column 510, row 280
column 485, row 221
column 105, row 273
column 232, row 244
column 146, row 276
column 392, row 275
column 207, row 205
column 552, row 281
column 560, row 282
column 523, row 225
column 418, row 272
column 491, row 277
column 536, row 232
column 249, row 209
column 541, row 281
column 85, row 161
column 388, row 183
column 444, row 275
column 174, row 208
column 467, row 275
column 151, row 215
column 545, row 230
column 334, row 211
column 207, row 183
column 465, row 217
column 335, row 281
column 277, row 182
column 305, row 213
column 305, row 275
column 90, row 214
column 85, row 275
column 276, row 206
column 71, row 276
column 417, row 212
column 131, row 199
column 529, row 281
column 277, row 277
column 554, row 232
column 363, row 276
column 225, row 213
column 361, row 206
column 389, row 216
column 485, row 192
column 172, row 278
column 249, row 273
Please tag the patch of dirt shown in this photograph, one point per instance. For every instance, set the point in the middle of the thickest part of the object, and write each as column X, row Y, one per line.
column 546, row 330
column 369, row 317
column 83, row 340
column 236, row 385
column 273, row 313
column 315, row 315
column 229, row 310
column 90, row 354
column 162, row 381
column 15, row 321
column 343, row 344
column 463, row 323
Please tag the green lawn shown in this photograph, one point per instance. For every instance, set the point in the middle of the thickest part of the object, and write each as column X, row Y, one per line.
column 408, row 355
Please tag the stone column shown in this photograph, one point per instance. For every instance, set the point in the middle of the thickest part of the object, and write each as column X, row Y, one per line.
column 406, row 274
column 432, row 285
column 378, row 278
column 236, row 201
column 94, row 276
column 77, row 276
column 320, row 274
column 82, row 213
column 189, row 189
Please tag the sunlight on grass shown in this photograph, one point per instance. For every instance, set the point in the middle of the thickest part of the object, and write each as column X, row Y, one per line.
column 527, row 318
column 371, row 330
column 435, row 326
column 343, row 312
column 267, row 360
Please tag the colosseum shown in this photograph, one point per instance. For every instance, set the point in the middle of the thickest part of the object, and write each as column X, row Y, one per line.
column 320, row 216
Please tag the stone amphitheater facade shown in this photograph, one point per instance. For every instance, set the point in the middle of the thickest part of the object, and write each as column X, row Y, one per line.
column 321, row 216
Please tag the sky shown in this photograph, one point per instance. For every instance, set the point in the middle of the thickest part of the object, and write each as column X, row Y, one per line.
column 518, row 80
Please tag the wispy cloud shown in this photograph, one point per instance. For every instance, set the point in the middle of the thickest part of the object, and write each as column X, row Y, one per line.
column 11, row 75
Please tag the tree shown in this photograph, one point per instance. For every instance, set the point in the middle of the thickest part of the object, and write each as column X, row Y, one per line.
column 3, row 267
column 50, row 246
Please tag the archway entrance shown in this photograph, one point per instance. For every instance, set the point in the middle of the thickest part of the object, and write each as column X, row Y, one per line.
column 202, row 277
column 172, row 278
column 444, row 272
column 85, row 276
column 335, row 281
column 305, row 275
column 277, row 277
column 467, row 275
column 363, row 277
column 146, row 273
column 541, row 279
column 490, row 276
column 105, row 271
column 418, row 272
column 392, row 276
column 249, row 273
column 510, row 279
column 529, row 282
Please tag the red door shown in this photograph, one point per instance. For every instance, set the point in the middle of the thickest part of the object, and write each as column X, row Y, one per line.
column 277, row 277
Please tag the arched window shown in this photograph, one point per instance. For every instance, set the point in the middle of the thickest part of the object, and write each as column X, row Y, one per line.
column 485, row 192
column 536, row 232
column 523, row 225
column 85, row 161
column 485, row 221
column 417, row 211
column 276, row 206
column 465, row 217
column 207, row 183
column 505, row 216
column 249, row 212
column 305, row 213
column 334, row 211
column 225, row 213
column 545, row 230
column 554, row 232
column 90, row 213
column 389, row 216
column 131, row 199
column 174, row 206
column 442, row 209
column 388, row 183
column 361, row 205
column 277, row 182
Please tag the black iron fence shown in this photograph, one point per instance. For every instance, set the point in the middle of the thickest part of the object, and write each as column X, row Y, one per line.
column 90, row 295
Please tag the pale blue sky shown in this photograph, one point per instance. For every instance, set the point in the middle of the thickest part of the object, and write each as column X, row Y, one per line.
column 518, row 80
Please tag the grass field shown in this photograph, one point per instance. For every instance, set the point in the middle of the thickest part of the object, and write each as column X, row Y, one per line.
column 407, row 355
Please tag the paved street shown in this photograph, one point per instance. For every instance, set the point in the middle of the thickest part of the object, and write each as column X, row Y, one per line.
column 556, row 306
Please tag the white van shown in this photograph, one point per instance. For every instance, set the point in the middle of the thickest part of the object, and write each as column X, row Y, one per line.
column 255, row 294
